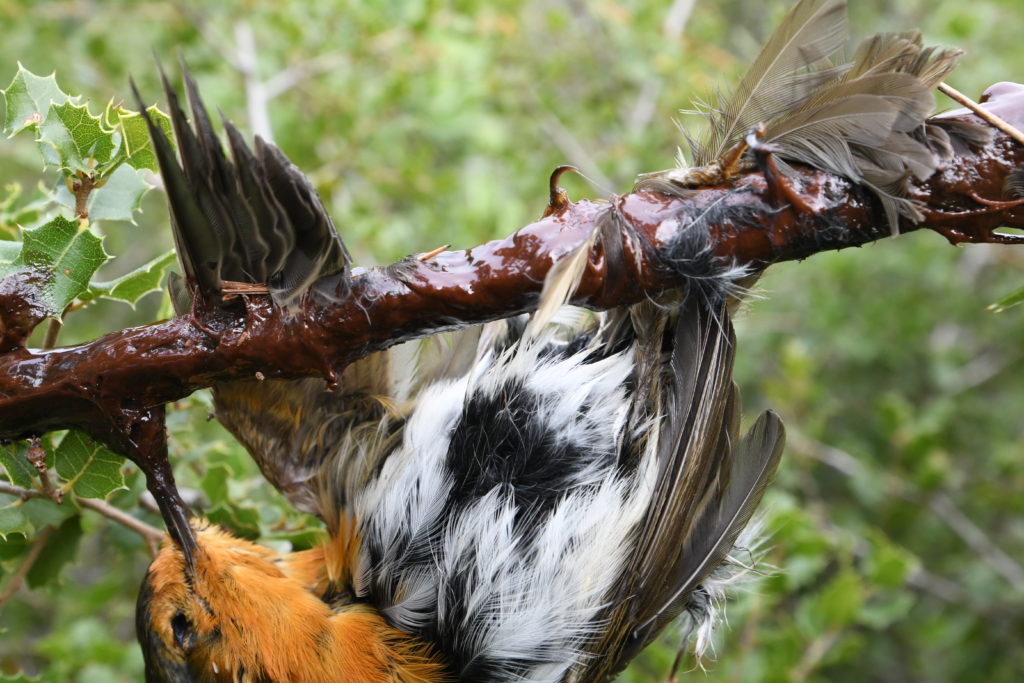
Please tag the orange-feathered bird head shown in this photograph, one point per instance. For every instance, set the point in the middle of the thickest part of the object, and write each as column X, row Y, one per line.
column 246, row 613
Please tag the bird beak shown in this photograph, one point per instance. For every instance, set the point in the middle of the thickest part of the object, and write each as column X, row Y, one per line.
column 144, row 441
column 175, row 513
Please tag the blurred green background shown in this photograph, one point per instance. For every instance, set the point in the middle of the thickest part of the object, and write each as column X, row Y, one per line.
column 897, row 520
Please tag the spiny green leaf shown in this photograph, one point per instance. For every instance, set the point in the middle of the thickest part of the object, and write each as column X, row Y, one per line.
column 43, row 512
column 136, row 148
column 1010, row 300
column 13, row 548
column 14, row 214
column 14, row 461
column 9, row 253
column 118, row 199
column 132, row 286
column 69, row 255
column 28, row 98
column 58, row 552
column 89, row 469
column 74, row 140
column 13, row 521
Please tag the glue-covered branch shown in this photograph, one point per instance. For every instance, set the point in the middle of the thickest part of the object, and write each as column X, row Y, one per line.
column 102, row 386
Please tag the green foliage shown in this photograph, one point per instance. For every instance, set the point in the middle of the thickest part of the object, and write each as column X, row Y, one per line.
column 66, row 253
column 87, row 468
column 132, row 286
column 429, row 123
column 27, row 97
column 1014, row 298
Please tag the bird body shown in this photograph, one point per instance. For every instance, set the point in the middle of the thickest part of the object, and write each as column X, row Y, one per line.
column 496, row 532
column 522, row 502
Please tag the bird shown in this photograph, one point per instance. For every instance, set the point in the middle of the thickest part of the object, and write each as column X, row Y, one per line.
column 527, row 500
column 534, row 499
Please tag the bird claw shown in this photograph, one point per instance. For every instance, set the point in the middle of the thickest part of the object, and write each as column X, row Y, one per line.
column 779, row 189
column 558, row 199
column 754, row 143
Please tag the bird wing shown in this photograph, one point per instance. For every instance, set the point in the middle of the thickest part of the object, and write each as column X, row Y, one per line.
column 708, row 482
column 255, row 218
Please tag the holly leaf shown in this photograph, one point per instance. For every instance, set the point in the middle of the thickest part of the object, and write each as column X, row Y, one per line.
column 136, row 148
column 14, row 461
column 132, row 286
column 13, row 214
column 215, row 483
column 13, row 521
column 119, row 197
column 242, row 521
column 42, row 512
column 66, row 254
column 90, row 469
column 9, row 253
column 28, row 99
column 74, row 140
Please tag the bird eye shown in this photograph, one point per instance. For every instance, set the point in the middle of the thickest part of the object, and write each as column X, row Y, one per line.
column 182, row 629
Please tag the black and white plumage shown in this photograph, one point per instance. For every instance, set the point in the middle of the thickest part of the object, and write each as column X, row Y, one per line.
column 548, row 513
column 534, row 501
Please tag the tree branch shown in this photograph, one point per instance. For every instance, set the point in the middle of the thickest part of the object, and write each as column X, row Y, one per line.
column 149, row 533
column 107, row 386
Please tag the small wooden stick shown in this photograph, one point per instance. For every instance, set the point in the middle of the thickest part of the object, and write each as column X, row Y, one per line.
column 978, row 109
column 432, row 253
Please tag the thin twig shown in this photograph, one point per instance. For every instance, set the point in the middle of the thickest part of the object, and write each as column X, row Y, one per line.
column 570, row 146
column 52, row 332
column 151, row 534
column 813, row 655
column 293, row 75
column 256, row 100
column 37, row 457
column 643, row 109
column 978, row 109
column 41, row 539
column 24, row 494
column 977, row 540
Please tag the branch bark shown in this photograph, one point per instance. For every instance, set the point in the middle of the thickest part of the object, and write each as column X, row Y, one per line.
column 103, row 386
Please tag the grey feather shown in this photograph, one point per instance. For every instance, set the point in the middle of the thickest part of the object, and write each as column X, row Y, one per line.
column 810, row 32
column 864, row 120
column 254, row 219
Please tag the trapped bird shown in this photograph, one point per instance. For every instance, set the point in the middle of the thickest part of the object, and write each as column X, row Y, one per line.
column 531, row 500
column 535, row 502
